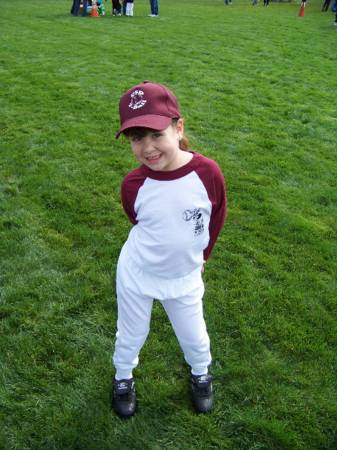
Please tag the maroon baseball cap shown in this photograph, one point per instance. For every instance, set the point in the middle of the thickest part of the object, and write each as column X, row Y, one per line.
column 148, row 105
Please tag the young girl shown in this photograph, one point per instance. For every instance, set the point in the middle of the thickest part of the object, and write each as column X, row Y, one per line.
column 177, row 203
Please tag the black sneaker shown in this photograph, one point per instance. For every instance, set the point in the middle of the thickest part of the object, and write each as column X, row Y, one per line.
column 124, row 397
column 202, row 392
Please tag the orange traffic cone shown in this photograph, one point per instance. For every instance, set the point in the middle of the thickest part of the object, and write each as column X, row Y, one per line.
column 301, row 11
column 94, row 11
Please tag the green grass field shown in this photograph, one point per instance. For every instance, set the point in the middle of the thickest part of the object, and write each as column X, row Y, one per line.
column 257, row 87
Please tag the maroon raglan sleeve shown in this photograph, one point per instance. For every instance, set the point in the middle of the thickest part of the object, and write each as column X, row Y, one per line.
column 213, row 180
column 129, row 191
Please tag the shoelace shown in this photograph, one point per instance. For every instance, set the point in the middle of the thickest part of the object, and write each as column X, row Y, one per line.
column 123, row 389
column 202, row 385
column 203, row 379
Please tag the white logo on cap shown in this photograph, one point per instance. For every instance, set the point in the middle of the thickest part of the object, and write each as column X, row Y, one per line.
column 137, row 100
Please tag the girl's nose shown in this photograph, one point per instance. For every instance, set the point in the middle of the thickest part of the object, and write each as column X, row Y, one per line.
column 147, row 143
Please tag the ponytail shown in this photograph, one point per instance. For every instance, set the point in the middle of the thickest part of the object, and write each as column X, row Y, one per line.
column 183, row 143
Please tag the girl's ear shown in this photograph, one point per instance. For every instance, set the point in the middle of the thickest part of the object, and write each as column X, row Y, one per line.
column 180, row 127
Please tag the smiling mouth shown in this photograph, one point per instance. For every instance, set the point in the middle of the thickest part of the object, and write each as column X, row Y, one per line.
column 153, row 158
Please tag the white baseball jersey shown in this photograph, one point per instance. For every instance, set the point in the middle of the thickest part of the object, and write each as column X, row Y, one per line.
column 177, row 216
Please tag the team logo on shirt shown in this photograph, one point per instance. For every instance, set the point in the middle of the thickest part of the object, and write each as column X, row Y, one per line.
column 198, row 221
column 137, row 99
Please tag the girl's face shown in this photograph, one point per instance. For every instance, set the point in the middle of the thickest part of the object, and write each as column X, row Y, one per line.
column 158, row 150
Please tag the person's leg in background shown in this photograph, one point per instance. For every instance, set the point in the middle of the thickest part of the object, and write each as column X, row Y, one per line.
column 75, row 7
column 154, row 7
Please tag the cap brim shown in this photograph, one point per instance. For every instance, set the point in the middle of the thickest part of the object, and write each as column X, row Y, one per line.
column 148, row 121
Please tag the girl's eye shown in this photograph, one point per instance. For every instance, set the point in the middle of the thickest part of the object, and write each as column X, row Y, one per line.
column 135, row 138
column 156, row 135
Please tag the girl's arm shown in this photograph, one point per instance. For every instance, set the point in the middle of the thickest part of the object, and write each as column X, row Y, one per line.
column 217, row 195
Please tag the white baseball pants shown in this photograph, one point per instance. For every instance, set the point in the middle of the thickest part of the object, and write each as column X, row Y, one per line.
column 182, row 301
